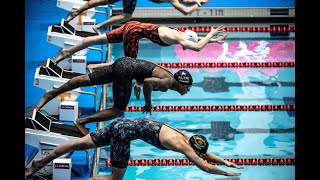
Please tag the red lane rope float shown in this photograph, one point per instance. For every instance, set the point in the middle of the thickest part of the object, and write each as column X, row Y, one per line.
column 229, row 65
column 216, row 108
column 186, row 162
column 273, row 28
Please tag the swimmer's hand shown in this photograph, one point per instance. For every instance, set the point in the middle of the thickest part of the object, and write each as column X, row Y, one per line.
column 230, row 164
column 232, row 174
column 137, row 90
column 147, row 109
column 222, row 37
column 217, row 30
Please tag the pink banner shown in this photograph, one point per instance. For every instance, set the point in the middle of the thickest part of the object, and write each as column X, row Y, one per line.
column 241, row 51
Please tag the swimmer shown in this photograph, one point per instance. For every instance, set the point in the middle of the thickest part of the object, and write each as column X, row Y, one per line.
column 129, row 7
column 131, row 32
column 120, row 74
column 121, row 132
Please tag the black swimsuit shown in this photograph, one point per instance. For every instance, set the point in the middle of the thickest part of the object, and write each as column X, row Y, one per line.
column 121, row 132
column 120, row 74
column 157, row 1
column 128, row 5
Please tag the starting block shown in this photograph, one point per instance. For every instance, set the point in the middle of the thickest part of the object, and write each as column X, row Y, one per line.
column 66, row 36
column 53, row 76
column 79, row 21
column 42, row 135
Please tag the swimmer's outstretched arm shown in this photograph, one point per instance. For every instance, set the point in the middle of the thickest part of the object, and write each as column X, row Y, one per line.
column 216, row 159
column 203, row 165
column 202, row 42
column 218, row 40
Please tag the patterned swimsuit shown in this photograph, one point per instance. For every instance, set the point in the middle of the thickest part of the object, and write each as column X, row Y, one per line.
column 120, row 74
column 121, row 132
column 128, row 5
column 157, row 1
column 130, row 34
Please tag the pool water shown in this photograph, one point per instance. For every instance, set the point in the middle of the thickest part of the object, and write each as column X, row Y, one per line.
column 240, row 91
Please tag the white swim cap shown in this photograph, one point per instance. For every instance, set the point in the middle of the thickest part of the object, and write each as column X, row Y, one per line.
column 191, row 35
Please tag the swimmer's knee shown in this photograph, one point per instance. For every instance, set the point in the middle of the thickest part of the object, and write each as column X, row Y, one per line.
column 118, row 111
column 106, row 2
column 103, row 2
column 121, row 112
column 127, row 16
column 117, row 173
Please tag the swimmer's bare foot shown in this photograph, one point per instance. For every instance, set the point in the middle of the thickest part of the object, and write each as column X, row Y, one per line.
column 71, row 16
column 62, row 55
column 36, row 166
column 46, row 98
column 83, row 129
column 97, row 30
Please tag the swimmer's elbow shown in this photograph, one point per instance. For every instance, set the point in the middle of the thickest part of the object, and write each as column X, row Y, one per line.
column 194, row 47
column 184, row 12
column 147, row 83
column 189, row 10
column 197, row 48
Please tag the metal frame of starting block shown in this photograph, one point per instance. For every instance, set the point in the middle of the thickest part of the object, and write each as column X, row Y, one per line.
column 68, row 29
column 44, row 134
column 53, row 76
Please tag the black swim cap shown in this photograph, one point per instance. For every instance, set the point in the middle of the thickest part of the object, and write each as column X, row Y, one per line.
column 183, row 77
column 199, row 143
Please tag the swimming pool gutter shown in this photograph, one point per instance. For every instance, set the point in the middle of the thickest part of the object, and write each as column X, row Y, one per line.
column 103, row 105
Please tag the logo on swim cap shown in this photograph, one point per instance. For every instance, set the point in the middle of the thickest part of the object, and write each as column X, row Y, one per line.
column 183, row 77
column 199, row 143
column 191, row 36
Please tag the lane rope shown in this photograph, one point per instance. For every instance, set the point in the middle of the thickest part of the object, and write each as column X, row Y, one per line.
column 186, row 162
column 271, row 28
column 229, row 65
column 216, row 108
